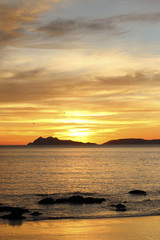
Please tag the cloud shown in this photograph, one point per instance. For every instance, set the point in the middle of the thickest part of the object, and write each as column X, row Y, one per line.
column 16, row 17
column 134, row 17
column 28, row 74
column 132, row 79
column 64, row 27
column 40, row 86
column 52, row 101
column 25, row 27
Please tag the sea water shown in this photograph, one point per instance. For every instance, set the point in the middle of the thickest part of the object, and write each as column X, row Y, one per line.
column 29, row 174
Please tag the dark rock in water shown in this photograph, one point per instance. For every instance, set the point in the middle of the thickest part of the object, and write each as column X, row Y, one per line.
column 13, row 210
column 5, row 209
column 138, row 192
column 16, row 213
column 147, row 200
column 103, row 199
column 41, row 195
column 46, row 201
column 112, row 205
column 36, row 214
column 79, row 200
column 91, row 200
column 61, row 200
column 19, row 210
column 13, row 216
column 76, row 200
column 121, row 207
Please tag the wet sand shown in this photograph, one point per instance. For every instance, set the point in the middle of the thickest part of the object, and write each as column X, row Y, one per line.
column 129, row 228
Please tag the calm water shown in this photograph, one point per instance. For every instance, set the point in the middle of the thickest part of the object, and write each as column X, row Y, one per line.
column 30, row 174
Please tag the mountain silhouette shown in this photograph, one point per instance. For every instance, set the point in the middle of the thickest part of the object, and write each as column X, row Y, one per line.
column 50, row 141
column 131, row 141
column 56, row 142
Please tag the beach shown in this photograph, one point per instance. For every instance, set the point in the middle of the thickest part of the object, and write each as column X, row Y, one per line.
column 126, row 228
column 31, row 175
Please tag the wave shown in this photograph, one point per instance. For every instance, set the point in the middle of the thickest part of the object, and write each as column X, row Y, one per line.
column 136, row 206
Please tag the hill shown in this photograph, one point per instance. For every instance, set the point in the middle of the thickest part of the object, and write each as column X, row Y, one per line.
column 50, row 141
column 131, row 141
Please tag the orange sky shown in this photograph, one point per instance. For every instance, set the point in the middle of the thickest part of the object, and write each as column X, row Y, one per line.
column 79, row 70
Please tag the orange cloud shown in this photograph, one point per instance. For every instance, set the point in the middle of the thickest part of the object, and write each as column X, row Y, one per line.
column 98, row 109
column 90, row 94
column 18, row 15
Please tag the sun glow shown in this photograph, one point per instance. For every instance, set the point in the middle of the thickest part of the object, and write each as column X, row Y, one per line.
column 81, row 134
column 87, row 113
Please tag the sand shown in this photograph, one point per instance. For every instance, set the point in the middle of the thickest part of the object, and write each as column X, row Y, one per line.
column 129, row 228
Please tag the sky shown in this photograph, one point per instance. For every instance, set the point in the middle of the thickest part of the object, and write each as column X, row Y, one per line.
column 84, row 70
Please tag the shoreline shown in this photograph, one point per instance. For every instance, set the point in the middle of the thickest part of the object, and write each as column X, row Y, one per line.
column 121, row 228
column 37, row 219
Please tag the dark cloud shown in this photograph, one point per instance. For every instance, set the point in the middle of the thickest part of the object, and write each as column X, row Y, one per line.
column 133, row 17
column 16, row 17
column 23, row 26
column 12, row 18
column 133, row 79
column 40, row 85
column 64, row 27
column 61, row 27
column 28, row 74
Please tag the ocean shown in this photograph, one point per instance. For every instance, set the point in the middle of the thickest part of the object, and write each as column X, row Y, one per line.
column 29, row 174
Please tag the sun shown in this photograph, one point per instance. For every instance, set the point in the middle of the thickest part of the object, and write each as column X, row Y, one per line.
column 80, row 134
column 78, row 123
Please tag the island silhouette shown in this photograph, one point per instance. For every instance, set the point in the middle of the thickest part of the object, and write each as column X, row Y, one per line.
column 57, row 142
column 53, row 141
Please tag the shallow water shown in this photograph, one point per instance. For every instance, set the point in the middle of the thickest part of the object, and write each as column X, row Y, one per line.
column 30, row 174
column 141, row 228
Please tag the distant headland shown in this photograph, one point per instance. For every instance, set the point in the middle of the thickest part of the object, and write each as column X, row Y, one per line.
column 132, row 141
column 50, row 141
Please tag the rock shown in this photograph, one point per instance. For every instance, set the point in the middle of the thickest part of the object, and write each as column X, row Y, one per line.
column 46, row 201
column 35, row 214
column 5, row 209
column 91, row 200
column 61, row 200
column 13, row 209
column 138, row 192
column 120, row 207
column 15, row 213
column 79, row 200
column 19, row 210
column 112, row 205
column 147, row 200
column 41, row 195
column 13, row 216
column 76, row 200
